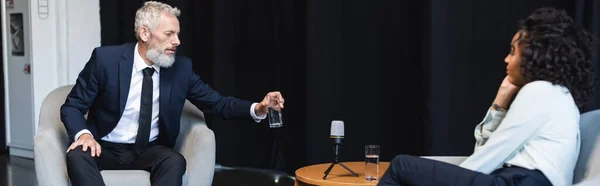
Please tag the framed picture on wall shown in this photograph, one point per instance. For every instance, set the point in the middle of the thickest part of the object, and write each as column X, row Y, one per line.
column 16, row 34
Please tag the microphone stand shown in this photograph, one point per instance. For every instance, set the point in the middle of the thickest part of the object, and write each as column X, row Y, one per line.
column 337, row 143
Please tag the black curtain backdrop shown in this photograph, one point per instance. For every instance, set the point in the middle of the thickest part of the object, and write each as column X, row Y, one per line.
column 468, row 43
column 587, row 15
column 414, row 77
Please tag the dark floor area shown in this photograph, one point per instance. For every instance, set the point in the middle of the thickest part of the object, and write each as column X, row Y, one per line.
column 15, row 171
column 250, row 177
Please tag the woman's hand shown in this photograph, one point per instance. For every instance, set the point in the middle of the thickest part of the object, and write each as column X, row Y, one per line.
column 505, row 93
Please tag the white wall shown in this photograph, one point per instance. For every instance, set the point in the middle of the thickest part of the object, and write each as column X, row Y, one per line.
column 83, row 29
column 62, row 44
column 62, row 38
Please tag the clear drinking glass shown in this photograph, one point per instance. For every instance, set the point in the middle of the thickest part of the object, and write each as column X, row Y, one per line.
column 372, row 162
column 275, row 119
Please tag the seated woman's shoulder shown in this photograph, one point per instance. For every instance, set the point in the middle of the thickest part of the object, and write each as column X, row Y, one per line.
column 543, row 86
column 543, row 90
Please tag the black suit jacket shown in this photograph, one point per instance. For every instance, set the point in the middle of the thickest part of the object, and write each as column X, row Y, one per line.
column 103, row 85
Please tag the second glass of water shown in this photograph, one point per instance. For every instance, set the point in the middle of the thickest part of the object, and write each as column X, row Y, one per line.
column 372, row 162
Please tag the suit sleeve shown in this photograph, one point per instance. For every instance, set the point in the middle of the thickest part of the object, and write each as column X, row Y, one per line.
column 81, row 97
column 202, row 95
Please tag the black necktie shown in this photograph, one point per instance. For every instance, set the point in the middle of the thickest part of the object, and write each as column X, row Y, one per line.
column 143, row 135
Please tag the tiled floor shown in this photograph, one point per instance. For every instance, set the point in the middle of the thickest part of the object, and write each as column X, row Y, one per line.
column 15, row 171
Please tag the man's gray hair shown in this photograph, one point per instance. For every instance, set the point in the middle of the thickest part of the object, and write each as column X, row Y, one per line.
column 148, row 15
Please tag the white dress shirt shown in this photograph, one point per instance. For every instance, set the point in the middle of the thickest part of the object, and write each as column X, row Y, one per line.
column 127, row 127
column 539, row 131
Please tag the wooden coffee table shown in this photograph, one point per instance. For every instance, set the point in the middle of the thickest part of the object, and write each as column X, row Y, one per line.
column 313, row 174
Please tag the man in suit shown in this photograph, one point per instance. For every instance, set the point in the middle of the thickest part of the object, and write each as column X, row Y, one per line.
column 134, row 95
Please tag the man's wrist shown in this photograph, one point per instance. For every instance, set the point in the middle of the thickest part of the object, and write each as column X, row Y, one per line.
column 82, row 132
column 255, row 112
column 258, row 110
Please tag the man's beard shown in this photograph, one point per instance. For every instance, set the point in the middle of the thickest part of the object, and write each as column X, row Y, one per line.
column 159, row 58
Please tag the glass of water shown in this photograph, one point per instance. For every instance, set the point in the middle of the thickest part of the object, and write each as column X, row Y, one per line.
column 372, row 162
column 275, row 120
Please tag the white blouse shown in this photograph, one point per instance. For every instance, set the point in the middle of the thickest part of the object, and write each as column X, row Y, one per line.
column 539, row 131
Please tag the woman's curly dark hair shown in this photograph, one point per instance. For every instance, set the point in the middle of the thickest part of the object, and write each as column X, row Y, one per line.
column 556, row 50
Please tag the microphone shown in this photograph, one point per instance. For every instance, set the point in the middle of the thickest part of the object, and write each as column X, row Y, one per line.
column 337, row 134
column 337, row 131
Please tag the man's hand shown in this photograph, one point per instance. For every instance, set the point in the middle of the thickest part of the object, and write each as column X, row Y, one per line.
column 87, row 141
column 505, row 94
column 272, row 99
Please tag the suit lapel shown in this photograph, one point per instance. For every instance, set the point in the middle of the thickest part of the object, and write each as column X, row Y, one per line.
column 125, row 68
column 166, row 77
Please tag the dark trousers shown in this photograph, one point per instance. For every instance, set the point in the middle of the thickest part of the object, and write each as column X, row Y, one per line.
column 166, row 166
column 410, row 170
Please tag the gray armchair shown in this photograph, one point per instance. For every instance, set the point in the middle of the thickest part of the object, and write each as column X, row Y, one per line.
column 196, row 142
column 587, row 169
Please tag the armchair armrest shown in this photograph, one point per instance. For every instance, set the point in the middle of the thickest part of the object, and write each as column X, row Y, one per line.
column 196, row 142
column 50, row 159
column 595, row 180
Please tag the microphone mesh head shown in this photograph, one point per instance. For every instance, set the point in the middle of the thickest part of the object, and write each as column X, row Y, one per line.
column 337, row 128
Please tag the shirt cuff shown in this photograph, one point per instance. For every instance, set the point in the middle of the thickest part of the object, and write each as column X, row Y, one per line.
column 491, row 121
column 253, row 114
column 497, row 114
column 84, row 131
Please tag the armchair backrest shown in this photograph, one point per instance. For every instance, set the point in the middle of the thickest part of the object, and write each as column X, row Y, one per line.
column 49, row 121
column 588, row 163
column 196, row 143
